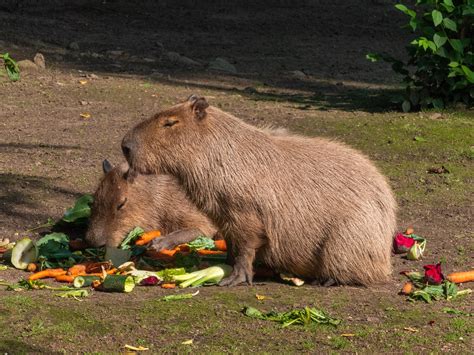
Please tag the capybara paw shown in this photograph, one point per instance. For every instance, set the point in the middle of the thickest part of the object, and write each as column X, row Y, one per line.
column 236, row 278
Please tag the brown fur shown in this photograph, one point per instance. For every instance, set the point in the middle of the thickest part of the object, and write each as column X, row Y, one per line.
column 309, row 206
column 153, row 202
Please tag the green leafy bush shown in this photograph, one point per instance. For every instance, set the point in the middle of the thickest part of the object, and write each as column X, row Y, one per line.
column 440, row 68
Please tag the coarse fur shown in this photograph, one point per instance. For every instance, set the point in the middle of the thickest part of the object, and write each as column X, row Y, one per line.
column 152, row 202
column 312, row 207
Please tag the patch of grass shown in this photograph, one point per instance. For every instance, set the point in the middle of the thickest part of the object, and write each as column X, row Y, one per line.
column 339, row 343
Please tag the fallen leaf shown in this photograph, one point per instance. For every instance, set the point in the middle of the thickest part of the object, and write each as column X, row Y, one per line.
column 135, row 348
column 347, row 335
column 85, row 115
column 410, row 329
column 260, row 297
column 83, row 82
column 419, row 139
column 187, row 342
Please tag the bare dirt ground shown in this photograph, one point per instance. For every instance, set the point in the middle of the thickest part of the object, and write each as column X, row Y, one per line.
column 299, row 67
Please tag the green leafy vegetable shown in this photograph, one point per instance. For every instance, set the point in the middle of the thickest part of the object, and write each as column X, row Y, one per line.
column 167, row 274
column 53, row 252
column 202, row 243
column 80, row 212
column 11, row 67
column 447, row 290
column 73, row 294
column 134, row 234
column 303, row 316
column 182, row 296
column 210, row 276
column 457, row 312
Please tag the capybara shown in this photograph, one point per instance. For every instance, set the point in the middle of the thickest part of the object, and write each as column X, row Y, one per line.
column 151, row 202
column 312, row 207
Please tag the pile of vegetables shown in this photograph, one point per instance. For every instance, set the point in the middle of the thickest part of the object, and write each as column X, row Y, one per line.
column 410, row 244
column 432, row 285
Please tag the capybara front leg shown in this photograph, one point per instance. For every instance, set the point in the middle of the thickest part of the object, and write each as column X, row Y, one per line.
column 243, row 269
column 176, row 238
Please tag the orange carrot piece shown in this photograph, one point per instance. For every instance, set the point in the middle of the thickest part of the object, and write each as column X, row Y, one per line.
column 77, row 269
column 32, row 267
column 409, row 231
column 407, row 288
column 460, row 277
column 210, row 252
column 112, row 271
column 65, row 278
column 147, row 237
column 47, row 273
column 220, row 245
column 168, row 285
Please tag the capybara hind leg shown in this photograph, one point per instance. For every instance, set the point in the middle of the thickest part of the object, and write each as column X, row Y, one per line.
column 176, row 238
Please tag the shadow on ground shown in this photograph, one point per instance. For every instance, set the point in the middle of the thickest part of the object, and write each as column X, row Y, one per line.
column 307, row 54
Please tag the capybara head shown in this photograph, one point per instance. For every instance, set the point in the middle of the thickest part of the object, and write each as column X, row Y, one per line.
column 166, row 132
column 111, row 212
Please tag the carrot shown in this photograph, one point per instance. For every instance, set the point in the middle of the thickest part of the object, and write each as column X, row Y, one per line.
column 183, row 248
column 147, row 237
column 46, row 273
column 96, row 283
column 220, row 245
column 407, row 288
column 112, row 271
column 168, row 285
column 460, row 277
column 31, row 267
column 210, row 252
column 65, row 278
column 409, row 231
column 77, row 269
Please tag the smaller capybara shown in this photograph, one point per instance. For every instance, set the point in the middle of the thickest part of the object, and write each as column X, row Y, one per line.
column 312, row 207
column 150, row 202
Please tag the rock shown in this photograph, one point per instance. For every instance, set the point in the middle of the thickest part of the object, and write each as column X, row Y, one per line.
column 92, row 76
column 298, row 74
column 27, row 66
column 84, row 103
column 40, row 61
column 179, row 59
column 74, row 46
column 220, row 64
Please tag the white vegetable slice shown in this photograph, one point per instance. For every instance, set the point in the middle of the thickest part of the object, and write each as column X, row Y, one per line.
column 23, row 253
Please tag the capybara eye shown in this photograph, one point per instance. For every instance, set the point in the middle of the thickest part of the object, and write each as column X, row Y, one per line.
column 170, row 123
column 122, row 204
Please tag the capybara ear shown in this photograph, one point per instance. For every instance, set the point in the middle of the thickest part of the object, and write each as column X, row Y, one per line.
column 199, row 106
column 106, row 166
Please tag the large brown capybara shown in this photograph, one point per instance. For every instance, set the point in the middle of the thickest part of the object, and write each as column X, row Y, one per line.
column 311, row 207
column 151, row 202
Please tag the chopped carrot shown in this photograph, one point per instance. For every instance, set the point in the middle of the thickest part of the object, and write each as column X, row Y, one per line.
column 96, row 283
column 111, row 271
column 183, row 248
column 407, row 288
column 220, row 245
column 77, row 269
column 46, row 273
column 168, row 285
column 32, row 267
column 65, row 278
column 210, row 252
column 409, row 231
column 460, row 277
column 147, row 237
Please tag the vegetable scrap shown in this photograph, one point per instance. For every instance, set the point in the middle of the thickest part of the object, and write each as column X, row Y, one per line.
column 432, row 285
column 305, row 316
column 179, row 297
column 410, row 244
column 209, row 276
column 135, row 348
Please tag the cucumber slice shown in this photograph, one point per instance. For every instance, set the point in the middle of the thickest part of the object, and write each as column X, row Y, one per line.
column 84, row 281
column 118, row 283
column 23, row 253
